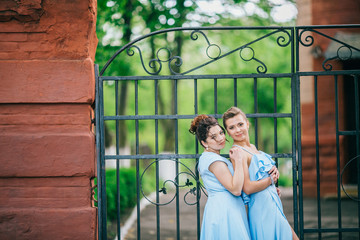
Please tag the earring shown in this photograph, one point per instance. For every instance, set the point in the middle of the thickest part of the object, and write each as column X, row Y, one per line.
column 206, row 148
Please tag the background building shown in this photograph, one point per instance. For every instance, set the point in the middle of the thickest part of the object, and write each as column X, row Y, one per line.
column 324, row 12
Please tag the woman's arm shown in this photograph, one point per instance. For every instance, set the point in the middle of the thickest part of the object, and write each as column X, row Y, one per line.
column 233, row 183
column 253, row 186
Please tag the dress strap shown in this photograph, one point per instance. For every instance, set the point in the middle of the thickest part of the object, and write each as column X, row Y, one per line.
column 243, row 149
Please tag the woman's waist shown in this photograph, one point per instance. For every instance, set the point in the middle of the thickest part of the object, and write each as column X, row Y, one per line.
column 221, row 193
column 221, row 199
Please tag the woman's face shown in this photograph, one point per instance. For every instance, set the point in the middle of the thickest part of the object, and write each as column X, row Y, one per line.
column 216, row 139
column 238, row 128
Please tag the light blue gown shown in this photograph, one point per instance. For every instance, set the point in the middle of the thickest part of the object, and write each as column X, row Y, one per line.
column 224, row 215
column 267, row 220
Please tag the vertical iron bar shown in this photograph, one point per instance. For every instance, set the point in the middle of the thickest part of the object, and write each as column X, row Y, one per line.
column 98, row 151
column 157, row 161
column 295, row 122
column 294, row 107
column 294, row 52
column 215, row 96
column 317, row 155
column 338, row 154
column 275, row 122
column 103, row 172
column 255, row 111
column 357, row 123
column 177, row 160
column 298, row 167
column 195, row 97
column 137, row 160
column 196, row 170
column 101, row 164
column 235, row 92
column 117, row 162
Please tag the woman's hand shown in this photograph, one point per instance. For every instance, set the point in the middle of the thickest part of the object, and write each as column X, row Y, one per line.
column 274, row 173
column 236, row 154
column 278, row 191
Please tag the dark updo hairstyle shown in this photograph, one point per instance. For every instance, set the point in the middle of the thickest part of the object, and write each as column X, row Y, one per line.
column 201, row 125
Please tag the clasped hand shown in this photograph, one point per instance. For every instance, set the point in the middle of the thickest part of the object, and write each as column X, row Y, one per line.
column 236, row 154
column 274, row 173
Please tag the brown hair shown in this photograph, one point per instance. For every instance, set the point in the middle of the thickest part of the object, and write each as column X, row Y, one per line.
column 200, row 126
column 232, row 112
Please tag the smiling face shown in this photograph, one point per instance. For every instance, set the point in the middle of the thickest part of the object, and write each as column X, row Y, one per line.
column 216, row 139
column 238, row 129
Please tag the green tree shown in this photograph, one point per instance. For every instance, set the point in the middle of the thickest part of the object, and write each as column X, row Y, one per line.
column 120, row 21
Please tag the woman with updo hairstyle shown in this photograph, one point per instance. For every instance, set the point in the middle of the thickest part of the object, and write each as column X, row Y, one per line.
column 266, row 217
column 224, row 215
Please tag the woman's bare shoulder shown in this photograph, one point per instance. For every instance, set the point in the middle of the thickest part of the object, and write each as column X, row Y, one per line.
column 253, row 147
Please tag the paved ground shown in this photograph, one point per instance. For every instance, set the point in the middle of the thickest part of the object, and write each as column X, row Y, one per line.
column 188, row 220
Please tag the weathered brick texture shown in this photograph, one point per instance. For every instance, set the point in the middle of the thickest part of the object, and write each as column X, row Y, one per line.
column 51, row 81
column 47, row 144
column 58, row 30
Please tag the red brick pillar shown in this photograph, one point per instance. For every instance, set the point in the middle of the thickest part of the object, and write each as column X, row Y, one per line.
column 322, row 12
column 47, row 148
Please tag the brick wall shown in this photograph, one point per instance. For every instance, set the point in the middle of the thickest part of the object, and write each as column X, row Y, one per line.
column 322, row 12
column 47, row 147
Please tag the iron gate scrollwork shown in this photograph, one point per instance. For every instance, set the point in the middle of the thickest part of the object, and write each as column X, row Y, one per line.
column 282, row 41
column 338, row 70
column 248, row 54
column 175, row 182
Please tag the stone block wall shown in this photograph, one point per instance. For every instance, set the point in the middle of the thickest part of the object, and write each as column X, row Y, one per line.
column 47, row 144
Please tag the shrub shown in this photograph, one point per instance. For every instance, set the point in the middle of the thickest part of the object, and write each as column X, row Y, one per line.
column 285, row 181
column 127, row 188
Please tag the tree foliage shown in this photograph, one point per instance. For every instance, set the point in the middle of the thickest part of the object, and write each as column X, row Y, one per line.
column 120, row 21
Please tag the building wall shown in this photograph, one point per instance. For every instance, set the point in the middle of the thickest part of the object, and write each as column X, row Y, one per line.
column 47, row 146
column 322, row 12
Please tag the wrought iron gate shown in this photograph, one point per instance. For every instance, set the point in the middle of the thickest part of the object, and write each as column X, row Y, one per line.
column 252, row 73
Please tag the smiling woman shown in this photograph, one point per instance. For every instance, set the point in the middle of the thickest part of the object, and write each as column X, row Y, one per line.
column 224, row 214
column 266, row 217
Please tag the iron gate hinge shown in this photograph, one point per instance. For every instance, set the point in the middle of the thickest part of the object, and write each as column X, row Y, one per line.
column 94, row 201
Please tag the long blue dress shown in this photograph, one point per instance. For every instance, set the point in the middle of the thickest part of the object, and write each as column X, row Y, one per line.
column 224, row 215
column 266, row 217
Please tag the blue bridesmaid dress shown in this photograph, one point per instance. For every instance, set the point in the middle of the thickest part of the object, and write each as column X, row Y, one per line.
column 267, row 220
column 224, row 215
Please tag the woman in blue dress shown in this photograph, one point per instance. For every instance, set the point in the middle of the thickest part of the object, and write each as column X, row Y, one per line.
column 265, row 211
column 224, row 215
